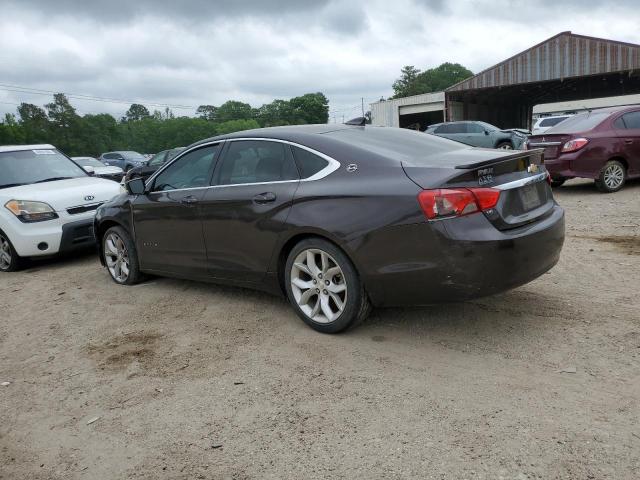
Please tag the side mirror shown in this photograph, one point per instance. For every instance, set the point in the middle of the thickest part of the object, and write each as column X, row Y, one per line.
column 90, row 170
column 486, row 132
column 135, row 186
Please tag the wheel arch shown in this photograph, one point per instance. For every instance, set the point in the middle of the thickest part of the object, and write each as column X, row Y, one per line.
column 620, row 159
column 294, row 239
column 101, row 229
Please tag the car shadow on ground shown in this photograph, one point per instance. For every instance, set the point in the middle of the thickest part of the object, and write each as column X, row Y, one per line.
column 582, row 186
column 33, row 265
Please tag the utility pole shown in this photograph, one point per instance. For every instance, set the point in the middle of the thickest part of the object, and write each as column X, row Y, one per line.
column 363, row 106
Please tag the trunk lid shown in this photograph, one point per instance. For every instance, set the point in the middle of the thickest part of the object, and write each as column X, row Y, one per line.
column 551, row 143
column 525, row 195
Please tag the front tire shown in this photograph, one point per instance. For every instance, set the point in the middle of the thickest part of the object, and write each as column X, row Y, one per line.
column 324, row 287
column 120, row 256
column 504, row 146
column 10, row 261
column 612, row 177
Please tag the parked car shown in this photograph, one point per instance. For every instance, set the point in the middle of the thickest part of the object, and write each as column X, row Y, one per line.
column 126, row 160
column 156, row 162
column 338, row 218
column 602, row 144
column 47, row 203
column 479, row 134
column 543, row 124
column 96, row 167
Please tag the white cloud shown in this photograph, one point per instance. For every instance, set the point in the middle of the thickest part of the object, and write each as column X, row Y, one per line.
column 197, row 52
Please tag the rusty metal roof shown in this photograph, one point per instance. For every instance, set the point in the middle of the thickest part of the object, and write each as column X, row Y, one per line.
column 562, row 56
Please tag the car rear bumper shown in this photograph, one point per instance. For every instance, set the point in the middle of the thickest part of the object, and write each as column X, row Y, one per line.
column 460, row 259
column 564, row 167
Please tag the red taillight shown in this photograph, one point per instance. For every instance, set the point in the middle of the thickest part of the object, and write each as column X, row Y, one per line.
column 573, row 145
column 456, row 202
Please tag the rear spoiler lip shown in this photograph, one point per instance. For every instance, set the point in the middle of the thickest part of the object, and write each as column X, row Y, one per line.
column 485, row 163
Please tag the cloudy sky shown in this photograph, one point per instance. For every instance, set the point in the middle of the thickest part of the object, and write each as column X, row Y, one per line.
column 192, row 52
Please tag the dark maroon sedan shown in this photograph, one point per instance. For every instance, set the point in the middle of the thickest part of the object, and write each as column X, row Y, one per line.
column 602, row 144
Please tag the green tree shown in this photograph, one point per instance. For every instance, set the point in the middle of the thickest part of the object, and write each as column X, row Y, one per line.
column 64, row 124
column 236, row 126
column 34, row 122
column 414, row 82
column 234, row 110
column 309, row 108
column 207, row 112
column 136, row 112
column 11, row 132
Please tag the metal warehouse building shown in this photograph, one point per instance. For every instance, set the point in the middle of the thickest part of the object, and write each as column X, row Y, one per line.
column 563, row 68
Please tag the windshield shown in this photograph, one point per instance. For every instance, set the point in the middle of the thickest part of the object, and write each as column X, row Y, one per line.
column 88, row 162
column 32, row 166
column 582, row 122
column 157, row 159
column 488, row 126
column 133, row 156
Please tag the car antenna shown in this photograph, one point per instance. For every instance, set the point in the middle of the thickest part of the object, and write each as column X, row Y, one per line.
column 359, row 121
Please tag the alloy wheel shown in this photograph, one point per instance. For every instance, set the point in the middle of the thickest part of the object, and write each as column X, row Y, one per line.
column 505, row 146
column 116, row 257
column 613, row 176
column 318, row 285
column 5, row 253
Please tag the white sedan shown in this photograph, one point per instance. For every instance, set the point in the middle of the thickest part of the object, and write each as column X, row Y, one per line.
column 93, row 166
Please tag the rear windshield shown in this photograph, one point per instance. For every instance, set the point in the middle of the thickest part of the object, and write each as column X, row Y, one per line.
column 550, row 122
column 582, row 122
column 397, row 143
column 33, row 166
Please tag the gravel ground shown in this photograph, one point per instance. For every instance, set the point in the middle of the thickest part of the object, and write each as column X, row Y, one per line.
column 190, row 380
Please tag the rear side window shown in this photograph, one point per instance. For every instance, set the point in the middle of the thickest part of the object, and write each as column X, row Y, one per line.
column 308, row 163
column 629, row 120
column 582, row 122
column 193, row 170
column 256, row 161
column 550, row 122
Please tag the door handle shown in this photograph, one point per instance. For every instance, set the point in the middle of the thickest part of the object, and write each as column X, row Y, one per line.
column 189, row 200
column 266, row 197
column 628, row 142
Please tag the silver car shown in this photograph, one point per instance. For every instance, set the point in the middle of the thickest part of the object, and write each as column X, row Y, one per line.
column 99, row 169
column 479, row 134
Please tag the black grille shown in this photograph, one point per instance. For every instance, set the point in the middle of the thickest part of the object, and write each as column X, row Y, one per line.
column 83, row 209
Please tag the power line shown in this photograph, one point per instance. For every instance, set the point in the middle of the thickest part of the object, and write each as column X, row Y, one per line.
column 79, row 96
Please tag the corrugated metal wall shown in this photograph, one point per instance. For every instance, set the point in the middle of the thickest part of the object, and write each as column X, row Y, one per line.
column 563, row 56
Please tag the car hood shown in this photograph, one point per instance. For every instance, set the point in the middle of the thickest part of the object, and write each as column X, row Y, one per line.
column 62, row 194
column 520, row 131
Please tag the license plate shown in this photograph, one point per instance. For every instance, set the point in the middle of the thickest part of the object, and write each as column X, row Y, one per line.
column 529, row 196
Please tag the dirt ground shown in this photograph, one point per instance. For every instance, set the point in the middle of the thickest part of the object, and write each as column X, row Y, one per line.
column 196, row 381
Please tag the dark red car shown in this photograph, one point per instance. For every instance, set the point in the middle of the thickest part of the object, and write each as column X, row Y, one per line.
column 603, row 144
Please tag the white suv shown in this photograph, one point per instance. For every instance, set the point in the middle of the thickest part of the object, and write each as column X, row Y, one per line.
column 47, row 203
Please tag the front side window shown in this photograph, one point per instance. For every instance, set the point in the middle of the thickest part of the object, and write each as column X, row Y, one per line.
column 474, row 128
column 308, row 163
column 193, row 170
column 26, row 167
column 256, row 161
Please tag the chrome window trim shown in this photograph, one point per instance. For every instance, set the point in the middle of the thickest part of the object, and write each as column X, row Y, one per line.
column 332, row 164
column 545, row 144
column 522, row 182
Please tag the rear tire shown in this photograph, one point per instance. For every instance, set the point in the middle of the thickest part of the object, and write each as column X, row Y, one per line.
column 505, row 146
column 557, row 182
column 10, row 261
column 120, row 257
column 612, row 177
column 324, row 287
